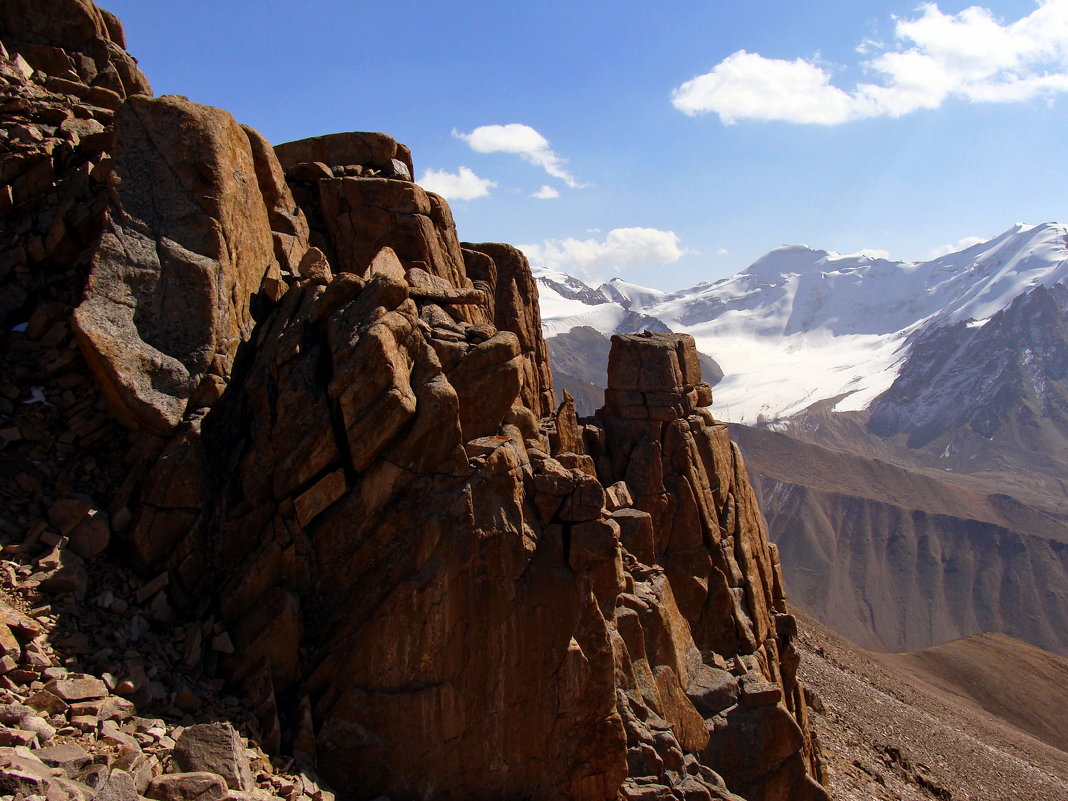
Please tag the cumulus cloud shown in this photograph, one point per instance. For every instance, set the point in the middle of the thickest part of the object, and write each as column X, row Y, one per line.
column 545, row 193
column 749, row 86
column 935, row 56
column 962, row 244
column 521, row 140
column 460, row 185
column 620, row 250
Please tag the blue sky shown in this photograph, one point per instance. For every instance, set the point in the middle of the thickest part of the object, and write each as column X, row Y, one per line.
column 887, row 126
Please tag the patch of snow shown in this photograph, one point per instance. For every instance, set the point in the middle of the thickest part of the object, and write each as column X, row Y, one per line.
column 627, row 294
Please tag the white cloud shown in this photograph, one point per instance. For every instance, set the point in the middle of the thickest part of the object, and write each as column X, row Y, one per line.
column 868, row 45
column 749, row 86
column 620, row 250
column 545, row 193
column 460, row 185
column 970, row 55
column 962, row 244
column 723, row 252
column 522, row 140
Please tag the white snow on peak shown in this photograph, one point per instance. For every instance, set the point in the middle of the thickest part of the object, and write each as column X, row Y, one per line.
column 801, row 325
column 628, row 295
column 559, row 314
column 984, row 278
column 551, row 275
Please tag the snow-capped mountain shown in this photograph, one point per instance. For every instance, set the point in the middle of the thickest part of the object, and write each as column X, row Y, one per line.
column 926, row 497
column 566, row 303
column 802, row 325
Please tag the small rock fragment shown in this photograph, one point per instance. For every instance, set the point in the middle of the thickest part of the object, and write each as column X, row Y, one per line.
column 77, row 687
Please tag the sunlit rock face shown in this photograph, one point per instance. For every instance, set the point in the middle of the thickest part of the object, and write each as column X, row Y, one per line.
column 327, row 427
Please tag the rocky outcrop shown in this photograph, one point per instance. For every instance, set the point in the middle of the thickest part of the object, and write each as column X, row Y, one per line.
column 187, row 243
column 77, row 49
column 730, row 691
column 513, row 307
column 283, row 389
column 579, row 360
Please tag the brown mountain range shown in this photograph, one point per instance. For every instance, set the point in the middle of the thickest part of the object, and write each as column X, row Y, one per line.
column 899, row 559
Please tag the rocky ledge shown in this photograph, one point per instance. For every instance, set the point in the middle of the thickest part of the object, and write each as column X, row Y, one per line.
column 262, row 408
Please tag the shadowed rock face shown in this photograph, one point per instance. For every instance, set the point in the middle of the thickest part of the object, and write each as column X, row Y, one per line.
column 341, row 445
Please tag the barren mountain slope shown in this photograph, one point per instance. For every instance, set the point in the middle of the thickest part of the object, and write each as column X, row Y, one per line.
column 1023, row 685
column 900, row 559
column 893, row 733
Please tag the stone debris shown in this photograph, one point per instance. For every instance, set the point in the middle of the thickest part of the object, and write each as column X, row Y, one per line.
column 64, row 732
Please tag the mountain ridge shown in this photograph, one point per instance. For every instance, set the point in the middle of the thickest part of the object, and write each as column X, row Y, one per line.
column 905, row 423
column 845, row 323
column 316, row 433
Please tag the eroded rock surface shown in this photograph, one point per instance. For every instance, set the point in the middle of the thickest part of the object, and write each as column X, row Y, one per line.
column 276, row 383
column 187, row 243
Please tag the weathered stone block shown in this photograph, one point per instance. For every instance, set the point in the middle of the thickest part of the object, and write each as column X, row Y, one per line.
column 214, row 748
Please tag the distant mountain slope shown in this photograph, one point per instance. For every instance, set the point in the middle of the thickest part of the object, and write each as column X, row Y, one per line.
column 977, row 421
column 964, row 387
column 1017, row 682
column 899, row 559
column 913, row 726
column 566, row 303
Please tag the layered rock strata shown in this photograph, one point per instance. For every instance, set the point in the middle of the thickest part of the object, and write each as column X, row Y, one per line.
column 298, row 400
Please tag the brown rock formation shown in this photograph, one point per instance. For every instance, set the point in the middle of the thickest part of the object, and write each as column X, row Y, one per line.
column 513, row 308
column 344, row 471
column 75, row 45
column 186, row 244
column 713, row 573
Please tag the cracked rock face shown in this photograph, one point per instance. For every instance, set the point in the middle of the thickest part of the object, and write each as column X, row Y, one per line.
column 340, row 448
column 186, row 244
